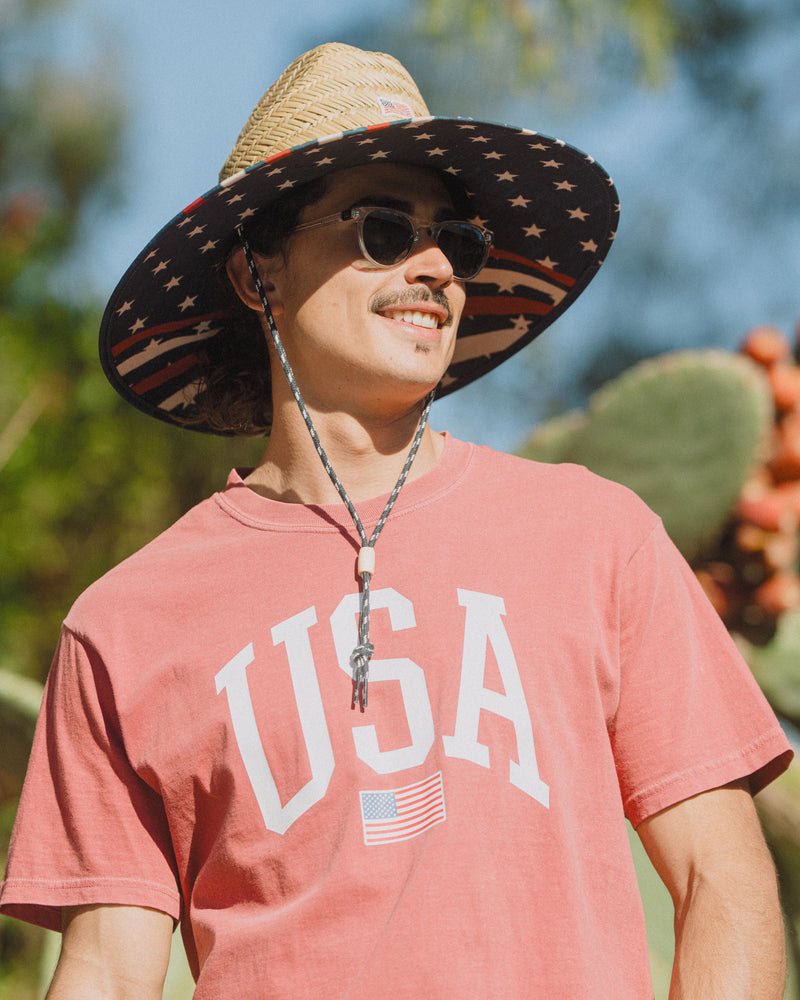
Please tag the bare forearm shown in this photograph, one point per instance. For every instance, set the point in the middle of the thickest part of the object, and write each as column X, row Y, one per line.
column 76, row 979
column 112, row 953
column 730, row 945
column 729, row 938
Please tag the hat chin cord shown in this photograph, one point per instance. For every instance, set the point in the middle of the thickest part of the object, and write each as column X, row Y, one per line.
column 362, row 654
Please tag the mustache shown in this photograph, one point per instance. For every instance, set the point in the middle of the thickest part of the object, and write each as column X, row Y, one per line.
column 410, row 297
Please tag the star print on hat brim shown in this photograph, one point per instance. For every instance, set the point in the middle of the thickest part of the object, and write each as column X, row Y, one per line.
column 552, row 209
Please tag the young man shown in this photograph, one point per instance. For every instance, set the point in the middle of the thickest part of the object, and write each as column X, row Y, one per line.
column 369, row 722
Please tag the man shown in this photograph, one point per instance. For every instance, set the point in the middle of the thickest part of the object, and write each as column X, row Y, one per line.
column 369, row 722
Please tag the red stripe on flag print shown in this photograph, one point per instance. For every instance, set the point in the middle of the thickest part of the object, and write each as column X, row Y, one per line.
column 166, row 374
column 389, row 816
column 534, row 265
column 504, row 305
column 155, row 331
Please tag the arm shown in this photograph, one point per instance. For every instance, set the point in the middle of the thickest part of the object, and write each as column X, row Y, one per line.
column 112, row 953
column 729, row 938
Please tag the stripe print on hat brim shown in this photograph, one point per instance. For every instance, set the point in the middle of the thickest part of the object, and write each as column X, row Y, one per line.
column 552, row 209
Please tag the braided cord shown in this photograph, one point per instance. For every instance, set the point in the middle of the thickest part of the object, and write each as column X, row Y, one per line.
column 362, row 654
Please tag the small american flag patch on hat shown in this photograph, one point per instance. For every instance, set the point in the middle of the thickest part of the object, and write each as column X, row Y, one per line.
column 391, row 106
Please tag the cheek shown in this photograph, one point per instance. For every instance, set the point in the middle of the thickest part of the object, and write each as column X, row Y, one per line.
column 458, row 299
column 316, row 320
column 319, row 283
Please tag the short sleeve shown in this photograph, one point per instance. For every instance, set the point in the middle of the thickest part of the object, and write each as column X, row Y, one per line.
column 690, row 715
column 89, row 829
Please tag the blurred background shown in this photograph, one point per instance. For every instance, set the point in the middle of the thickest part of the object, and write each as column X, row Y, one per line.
column 115, row 115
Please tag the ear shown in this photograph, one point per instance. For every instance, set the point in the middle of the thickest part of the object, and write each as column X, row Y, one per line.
column 244, row 286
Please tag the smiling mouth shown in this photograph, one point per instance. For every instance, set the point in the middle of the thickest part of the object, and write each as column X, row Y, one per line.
column 426, row 320
column 420, row 306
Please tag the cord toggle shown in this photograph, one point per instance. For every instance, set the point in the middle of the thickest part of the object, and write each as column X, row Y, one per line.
column 366, row 560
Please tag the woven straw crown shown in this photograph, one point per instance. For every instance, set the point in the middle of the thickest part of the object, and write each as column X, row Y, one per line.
column 329, row 90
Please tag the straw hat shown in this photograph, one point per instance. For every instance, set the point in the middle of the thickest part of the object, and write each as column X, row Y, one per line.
column 552, row 210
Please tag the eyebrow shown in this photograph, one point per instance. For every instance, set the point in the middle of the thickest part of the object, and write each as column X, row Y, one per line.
column 399, row 205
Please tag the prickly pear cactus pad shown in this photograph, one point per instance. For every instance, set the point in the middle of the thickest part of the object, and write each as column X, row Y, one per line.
column 682, row 430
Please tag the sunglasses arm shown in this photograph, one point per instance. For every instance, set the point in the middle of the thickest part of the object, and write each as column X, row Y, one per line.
column 326, row 221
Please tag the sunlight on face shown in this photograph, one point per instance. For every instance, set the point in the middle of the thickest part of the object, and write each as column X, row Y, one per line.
column 356, row 332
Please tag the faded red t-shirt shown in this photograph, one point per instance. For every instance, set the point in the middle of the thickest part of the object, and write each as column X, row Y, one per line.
column 544, row 665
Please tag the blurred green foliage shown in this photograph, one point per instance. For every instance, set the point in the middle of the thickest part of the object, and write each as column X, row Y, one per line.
column 541, row 44
column 84, row 479
column 534, row 37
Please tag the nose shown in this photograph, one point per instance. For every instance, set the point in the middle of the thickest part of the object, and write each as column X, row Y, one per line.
column 427, row 264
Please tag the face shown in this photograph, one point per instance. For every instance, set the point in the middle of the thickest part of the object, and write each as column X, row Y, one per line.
column 358, row 336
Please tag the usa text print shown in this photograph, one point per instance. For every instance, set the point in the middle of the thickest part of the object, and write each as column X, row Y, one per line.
column 484, row 626
column 233, row 679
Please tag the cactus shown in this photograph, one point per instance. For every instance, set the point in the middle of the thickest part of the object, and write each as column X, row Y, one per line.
column 682, row 431
column 752, row 577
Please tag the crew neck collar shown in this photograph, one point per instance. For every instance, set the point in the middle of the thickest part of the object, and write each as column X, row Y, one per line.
column 247, row 506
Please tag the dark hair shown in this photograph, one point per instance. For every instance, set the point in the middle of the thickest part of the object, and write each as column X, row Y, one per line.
column 234, row 394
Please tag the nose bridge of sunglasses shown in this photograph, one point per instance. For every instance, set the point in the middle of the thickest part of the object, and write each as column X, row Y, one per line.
column 437, row 234
column 427, row 238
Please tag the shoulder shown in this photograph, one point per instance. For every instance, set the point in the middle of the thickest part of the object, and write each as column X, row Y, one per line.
column 528, row 473
column 567, row 492
column 148, row 575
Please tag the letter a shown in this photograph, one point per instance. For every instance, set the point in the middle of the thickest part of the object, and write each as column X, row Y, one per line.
column 484, row 625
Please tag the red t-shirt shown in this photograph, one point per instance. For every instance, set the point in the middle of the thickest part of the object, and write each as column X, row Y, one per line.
column 544, row 665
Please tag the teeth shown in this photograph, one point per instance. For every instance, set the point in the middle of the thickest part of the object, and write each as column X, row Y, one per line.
column 416, row 318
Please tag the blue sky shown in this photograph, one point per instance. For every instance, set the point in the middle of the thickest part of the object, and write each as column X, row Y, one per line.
column 191, row 73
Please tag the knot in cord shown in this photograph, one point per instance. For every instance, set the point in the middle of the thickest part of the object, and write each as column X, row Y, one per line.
column 359, row 661
column 361, row 655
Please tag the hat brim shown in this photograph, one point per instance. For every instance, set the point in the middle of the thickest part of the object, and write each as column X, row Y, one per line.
column 552, row 209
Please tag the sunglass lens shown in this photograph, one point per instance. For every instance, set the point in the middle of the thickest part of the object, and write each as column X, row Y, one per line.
column 464, row 246
column 388, row 236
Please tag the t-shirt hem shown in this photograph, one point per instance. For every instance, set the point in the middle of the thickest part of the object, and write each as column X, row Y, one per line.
column 761, row 761
column 40, row 901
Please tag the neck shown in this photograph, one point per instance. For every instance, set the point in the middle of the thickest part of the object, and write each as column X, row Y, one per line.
column 368, row 455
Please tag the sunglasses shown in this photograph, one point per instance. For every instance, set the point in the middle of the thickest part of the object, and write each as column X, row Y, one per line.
column 387, row 237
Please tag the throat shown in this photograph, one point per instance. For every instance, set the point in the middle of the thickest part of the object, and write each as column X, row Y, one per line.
column 367, row 465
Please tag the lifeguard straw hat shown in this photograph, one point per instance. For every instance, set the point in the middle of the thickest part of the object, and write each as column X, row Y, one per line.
column 552, row 209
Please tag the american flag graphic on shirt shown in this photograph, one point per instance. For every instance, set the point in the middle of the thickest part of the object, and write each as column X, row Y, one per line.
column 389, row 816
